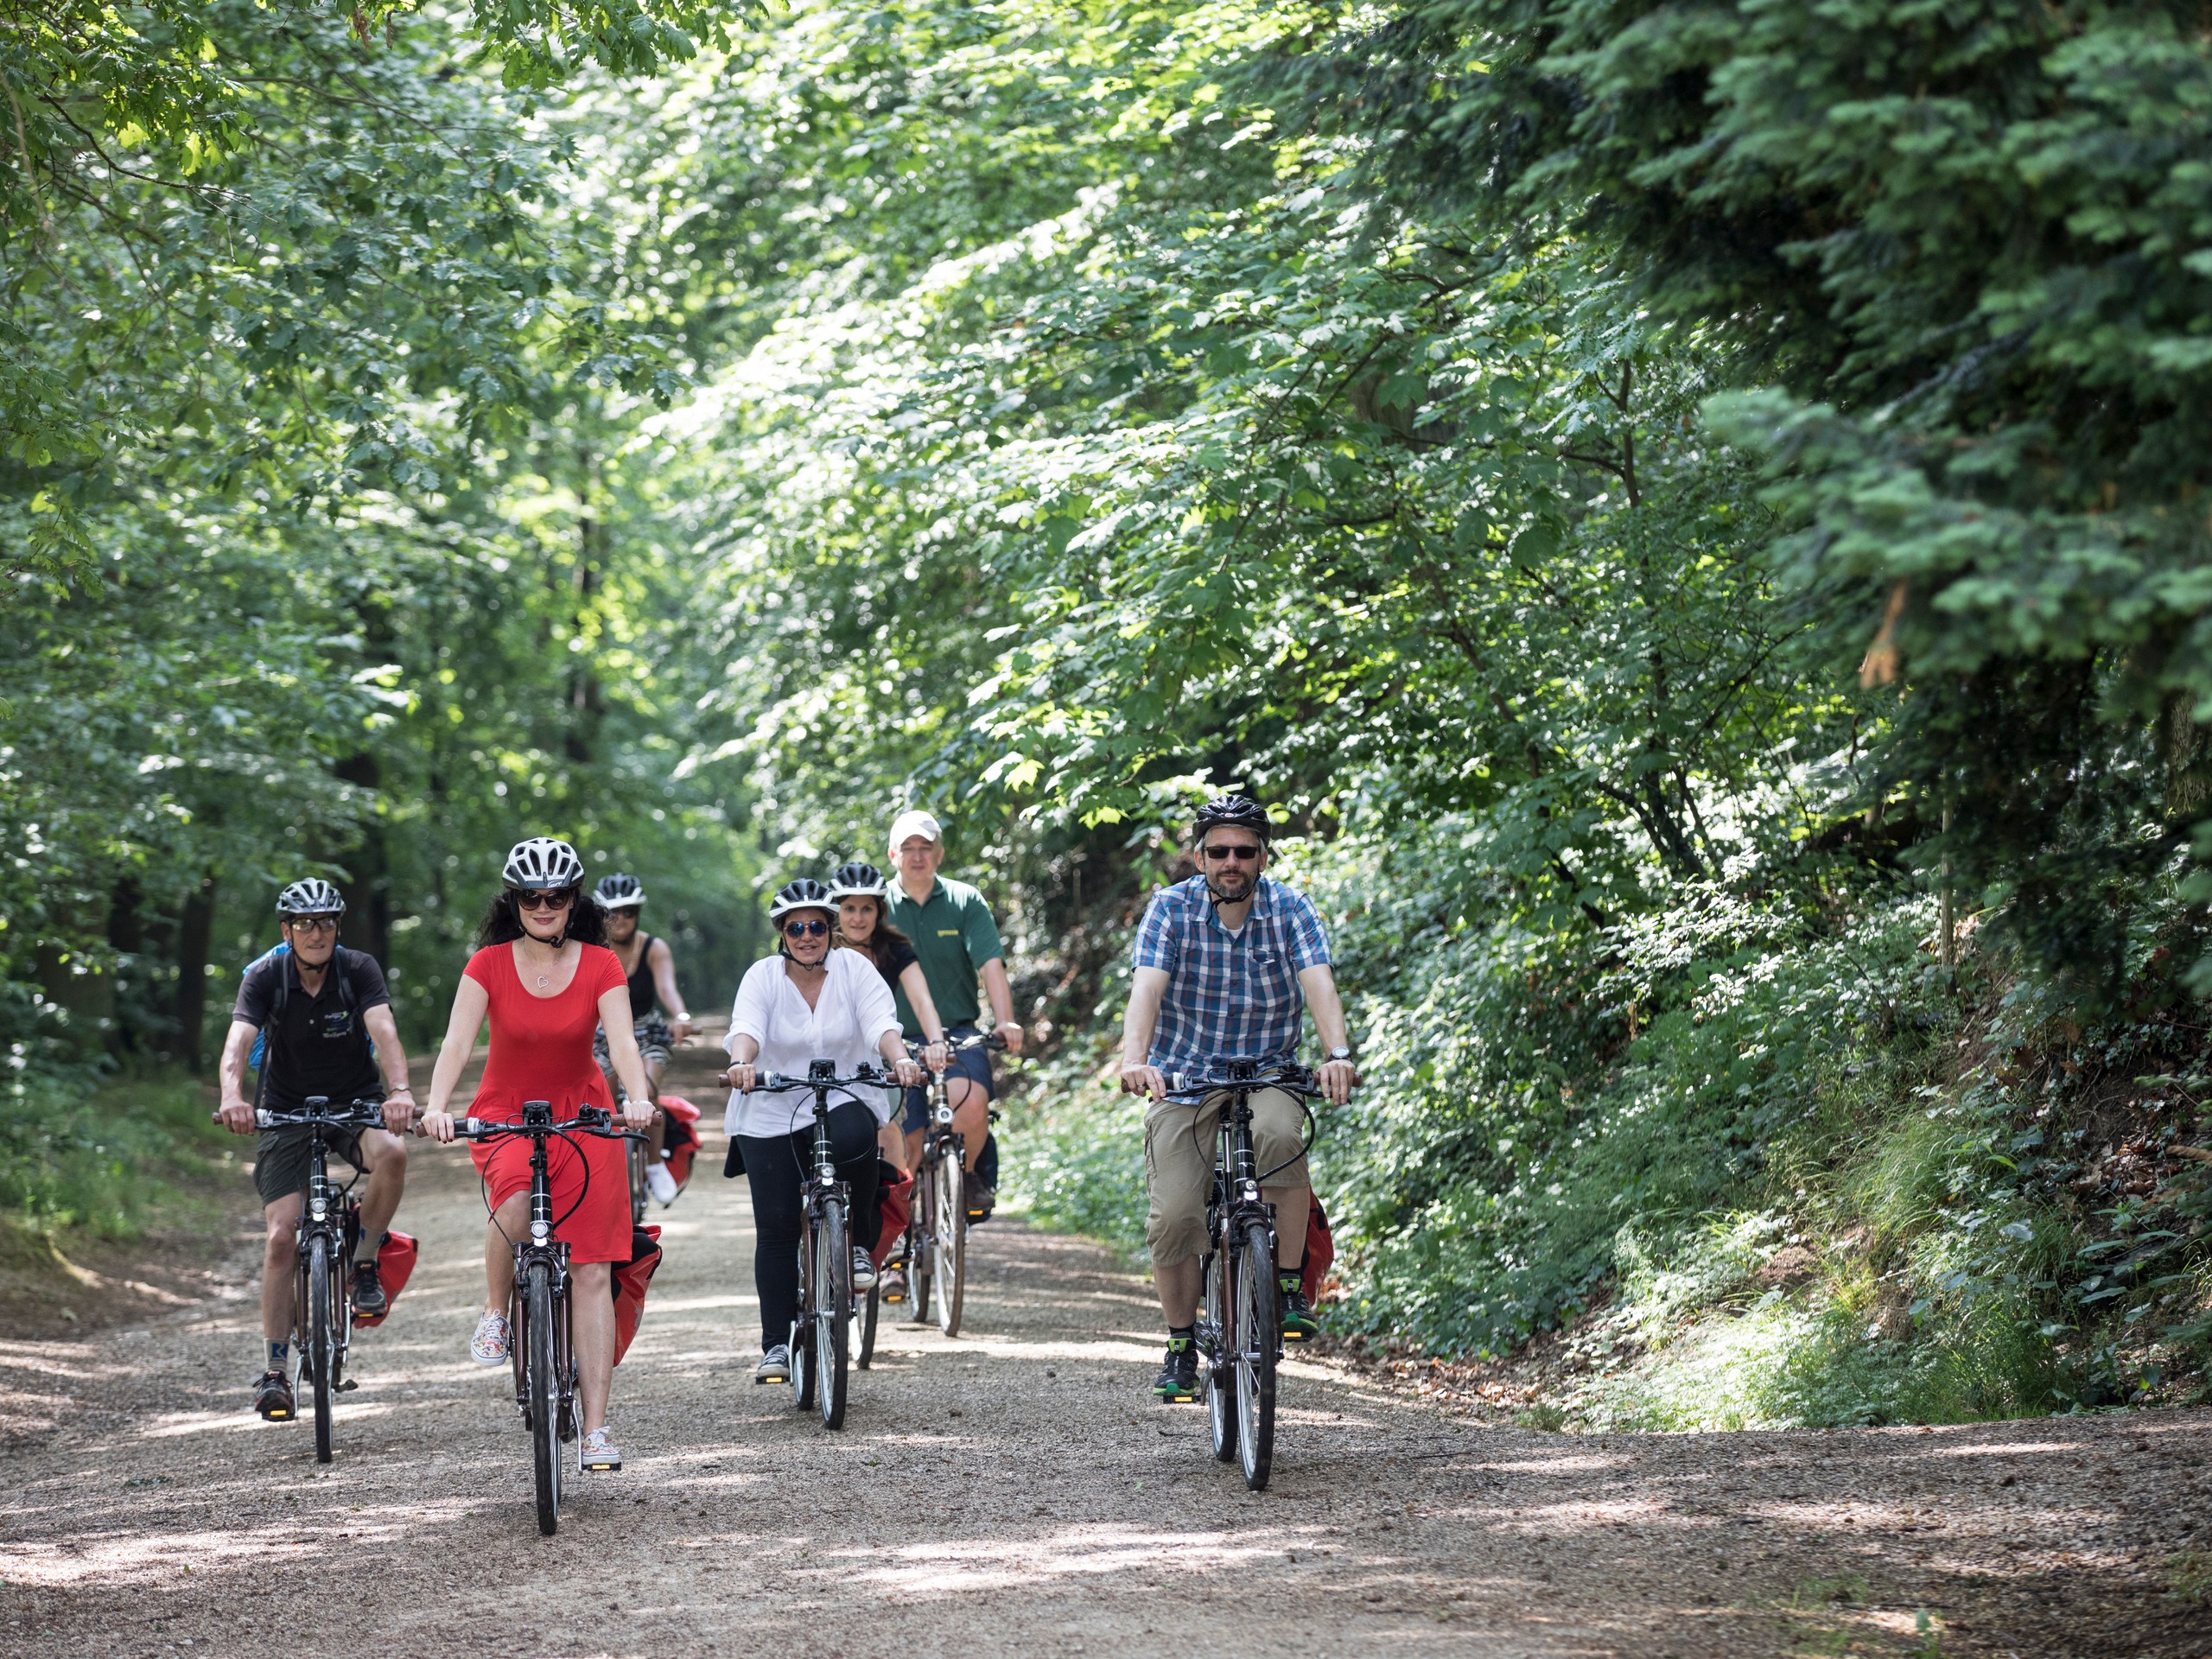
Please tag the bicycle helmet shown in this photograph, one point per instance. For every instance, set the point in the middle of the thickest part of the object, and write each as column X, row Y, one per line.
column 1235, row 812
column 313, row 897
column 542, row 863
column 619, row 892
column 805, row 893
column 856, row 880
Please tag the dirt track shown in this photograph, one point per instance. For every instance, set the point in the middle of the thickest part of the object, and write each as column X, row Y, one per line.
column 1015, row 1491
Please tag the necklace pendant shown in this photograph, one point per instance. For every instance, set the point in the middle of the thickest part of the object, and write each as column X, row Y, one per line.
column 543, row 980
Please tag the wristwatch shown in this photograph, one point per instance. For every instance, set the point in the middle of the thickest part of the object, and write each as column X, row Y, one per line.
column 1339, row 1052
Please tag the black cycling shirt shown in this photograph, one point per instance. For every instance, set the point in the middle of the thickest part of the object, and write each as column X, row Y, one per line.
column 902, row 956
column 320, row 1044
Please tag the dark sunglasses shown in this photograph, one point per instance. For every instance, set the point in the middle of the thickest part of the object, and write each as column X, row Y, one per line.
column 552, row 901
column 813, row 930
column 1241, row 854
column 315, row 923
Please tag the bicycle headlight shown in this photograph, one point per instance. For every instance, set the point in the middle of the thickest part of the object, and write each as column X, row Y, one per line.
column 538, row 1229
column 317, row 1210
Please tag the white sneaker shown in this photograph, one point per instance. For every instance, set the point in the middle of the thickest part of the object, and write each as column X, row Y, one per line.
column 598, row 1454
column 489, row 1345
column 660, row 1184
column 863, row 1270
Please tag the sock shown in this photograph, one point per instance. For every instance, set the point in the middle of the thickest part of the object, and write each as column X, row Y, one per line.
column 365, row 1249
column 279, row 1353
column 1182, row 1336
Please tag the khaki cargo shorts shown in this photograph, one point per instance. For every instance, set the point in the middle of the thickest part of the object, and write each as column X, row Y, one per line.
column 1180, row 1139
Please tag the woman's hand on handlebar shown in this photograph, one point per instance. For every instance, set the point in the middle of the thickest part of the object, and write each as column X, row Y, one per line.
column 638, row 1114
column 907, row 1072
column 742, row 1077
column 437, row 1126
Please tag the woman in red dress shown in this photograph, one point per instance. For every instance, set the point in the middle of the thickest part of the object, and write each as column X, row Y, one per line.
column 548, row 984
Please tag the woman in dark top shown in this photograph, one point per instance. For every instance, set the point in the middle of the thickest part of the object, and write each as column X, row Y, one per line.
column 861, row 902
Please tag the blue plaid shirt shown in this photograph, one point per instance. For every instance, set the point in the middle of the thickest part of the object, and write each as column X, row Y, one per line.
column 1229, row 995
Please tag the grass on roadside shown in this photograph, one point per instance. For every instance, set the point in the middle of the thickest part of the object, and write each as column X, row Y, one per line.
column 107, row 1164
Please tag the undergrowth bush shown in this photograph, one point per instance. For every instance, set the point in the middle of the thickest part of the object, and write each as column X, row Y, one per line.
column 103, row 1161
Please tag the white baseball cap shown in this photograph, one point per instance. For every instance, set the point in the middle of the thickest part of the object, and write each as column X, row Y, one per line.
column 914, row 823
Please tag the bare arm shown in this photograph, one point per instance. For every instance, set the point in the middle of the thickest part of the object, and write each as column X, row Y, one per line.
column 1001, row 995
column 637, row 1108
column 1146, row 987
column 237, row 1110
column 391, row 1060
column 918, row 999
column 1319, row 984
column 661, row 961
column 471, row 1002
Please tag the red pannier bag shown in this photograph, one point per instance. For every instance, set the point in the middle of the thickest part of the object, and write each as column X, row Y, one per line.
column 894, row 1202
column 1320, row 1252
column 682, row 1142
column 394, row 1260
column 628, row 1281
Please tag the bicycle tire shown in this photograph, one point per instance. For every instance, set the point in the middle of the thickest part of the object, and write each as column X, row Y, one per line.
column 803, row 1377
column 1259, row 1323
column 545, row 1395
column 864, row 1314
column 949, row 1244
column 1221, row 1399
column 636, row 1151
column 318, row 1355
column 833, row 1322
column 919, row 1273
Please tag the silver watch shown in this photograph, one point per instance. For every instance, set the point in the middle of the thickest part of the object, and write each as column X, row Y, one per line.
column 1339, row 1052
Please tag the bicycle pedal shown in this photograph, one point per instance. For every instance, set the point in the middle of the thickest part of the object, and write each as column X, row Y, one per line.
column 1180, row 1398
column 347, row 1386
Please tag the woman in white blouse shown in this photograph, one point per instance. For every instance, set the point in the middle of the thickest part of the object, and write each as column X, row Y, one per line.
column 805, row 1003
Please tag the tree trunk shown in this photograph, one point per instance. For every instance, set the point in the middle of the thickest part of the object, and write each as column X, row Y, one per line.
column 368, row 869
column 195, row 932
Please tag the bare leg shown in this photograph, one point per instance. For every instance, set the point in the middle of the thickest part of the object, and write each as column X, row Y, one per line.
column 970, row 1116
column 280, row 1262
column 1291, row 1203
column 509, row 1222
column 1178, row 1284
column 657, row 1131
column 591, row 1312
column 913, row 1147
column 385, row 1154
column 892, row 1145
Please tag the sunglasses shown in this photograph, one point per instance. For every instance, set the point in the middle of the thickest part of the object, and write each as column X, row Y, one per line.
column 813, row 930
column 315, row 923
column 555, row 902
column 1241, row 854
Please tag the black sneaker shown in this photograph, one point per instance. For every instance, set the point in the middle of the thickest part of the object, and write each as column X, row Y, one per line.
column 982, row 1199
column 1298, row 1323
column 272, row 1397
column 1178, row 1382
column 369, row 1300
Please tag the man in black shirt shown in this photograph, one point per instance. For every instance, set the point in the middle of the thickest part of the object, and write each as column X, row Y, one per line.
column 321, row 1006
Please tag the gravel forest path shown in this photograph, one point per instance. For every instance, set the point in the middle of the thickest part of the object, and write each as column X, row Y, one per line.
column 1014, row 1491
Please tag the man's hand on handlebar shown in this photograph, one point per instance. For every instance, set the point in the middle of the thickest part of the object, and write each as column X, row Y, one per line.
column 936, row 1055
column 1144, row 1080
column 399, row 1111
column 1337, row 1079
column 437, row 1126
column 236, row 1115
column 1011, row 1030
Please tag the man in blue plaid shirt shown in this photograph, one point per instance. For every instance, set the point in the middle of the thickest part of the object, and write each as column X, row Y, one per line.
column 1227, row 964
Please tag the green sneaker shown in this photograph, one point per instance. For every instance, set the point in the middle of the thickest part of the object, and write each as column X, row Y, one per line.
column 1298, row 1323
column 1178, row 1382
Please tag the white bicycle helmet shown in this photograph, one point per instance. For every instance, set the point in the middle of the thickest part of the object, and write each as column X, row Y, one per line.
column 856, row 880
column 805, row 893
column 542, row 863
column 619, row 892
column 313, row 897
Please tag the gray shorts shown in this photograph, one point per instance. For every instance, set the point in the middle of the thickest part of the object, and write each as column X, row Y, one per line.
column 280, row 1161
column 1179, row 1139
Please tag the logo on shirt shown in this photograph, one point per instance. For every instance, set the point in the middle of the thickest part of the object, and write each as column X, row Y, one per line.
column 335, row 1025
column 948, row 933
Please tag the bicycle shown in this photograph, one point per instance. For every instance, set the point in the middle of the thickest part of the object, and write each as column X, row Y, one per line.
column 655, row 1042
column 330, row 1229
column 1240, row 1327
column 935, row 1249
column 822, row 1331
column 540, row 1324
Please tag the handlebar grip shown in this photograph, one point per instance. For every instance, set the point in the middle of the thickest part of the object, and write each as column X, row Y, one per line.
column 472, row 1126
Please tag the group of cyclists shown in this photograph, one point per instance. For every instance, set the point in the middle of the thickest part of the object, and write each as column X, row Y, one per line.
column 868, row 971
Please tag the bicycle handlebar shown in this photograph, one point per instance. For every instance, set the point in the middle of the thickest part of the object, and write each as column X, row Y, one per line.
column 775, row 1082
column 1288, row 1076
column 364, row 1114
column 591, row 1120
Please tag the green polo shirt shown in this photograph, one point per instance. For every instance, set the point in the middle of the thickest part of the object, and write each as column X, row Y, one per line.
column 954, row 935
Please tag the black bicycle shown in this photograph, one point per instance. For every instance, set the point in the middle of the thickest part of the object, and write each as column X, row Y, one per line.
column 330, row 1229
column 822, row 1332
column 1240, row 1328
column 540, row 1320
column 935, row 1249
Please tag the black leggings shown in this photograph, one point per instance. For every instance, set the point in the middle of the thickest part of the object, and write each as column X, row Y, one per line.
column 774, row 1169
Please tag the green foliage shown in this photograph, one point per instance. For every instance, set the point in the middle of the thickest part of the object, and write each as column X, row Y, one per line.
column 103, row 1164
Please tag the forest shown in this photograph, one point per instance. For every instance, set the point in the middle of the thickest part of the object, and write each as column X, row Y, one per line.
column 1689, row 517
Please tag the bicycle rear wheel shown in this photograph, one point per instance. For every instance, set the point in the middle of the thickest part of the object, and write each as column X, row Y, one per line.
column 1258, row 1316
column 545, row 1394
column 833, row 1276
column 948, row 1236
column 319, row 1344
column 1218, row 1330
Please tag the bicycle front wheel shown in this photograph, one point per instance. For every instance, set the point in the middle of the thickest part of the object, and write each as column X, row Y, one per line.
column 1217, row 1335
column 919, row 1247
column 864, row 1311
column 1257, row 1311
column 319, row 1313
column 833, row 1277
column 639, row 1152
column 544, row 1394
column 803, row 1368
column 948, row 1236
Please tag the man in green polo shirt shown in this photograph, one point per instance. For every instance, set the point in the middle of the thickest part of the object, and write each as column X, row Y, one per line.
column 957, row 940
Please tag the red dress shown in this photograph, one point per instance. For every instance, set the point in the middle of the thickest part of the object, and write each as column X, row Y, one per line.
column 541, row 1049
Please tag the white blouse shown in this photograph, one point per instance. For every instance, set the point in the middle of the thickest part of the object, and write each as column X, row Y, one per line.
column 845, row 1025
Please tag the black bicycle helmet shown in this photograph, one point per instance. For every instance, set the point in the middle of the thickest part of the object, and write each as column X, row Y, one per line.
column 313, row 897
column 856, row 880
column 1235, row 812
column 805, row 893
column 542, row 863
column 619, row 892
